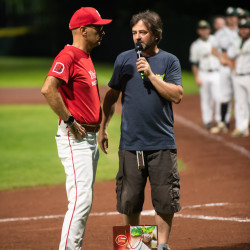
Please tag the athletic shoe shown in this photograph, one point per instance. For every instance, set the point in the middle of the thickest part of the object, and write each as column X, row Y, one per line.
column 221, row 127
column 165, row 248
column 238, row 133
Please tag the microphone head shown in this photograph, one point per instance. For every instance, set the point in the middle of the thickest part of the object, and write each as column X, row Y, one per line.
column 138, row 46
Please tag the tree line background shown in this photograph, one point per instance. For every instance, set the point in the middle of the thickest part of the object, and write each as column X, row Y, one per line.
column 46, row 23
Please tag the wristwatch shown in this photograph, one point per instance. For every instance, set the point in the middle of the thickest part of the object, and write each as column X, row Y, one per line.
column 70, row 120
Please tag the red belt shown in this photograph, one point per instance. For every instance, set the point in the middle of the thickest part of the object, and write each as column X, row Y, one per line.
column 91, row 128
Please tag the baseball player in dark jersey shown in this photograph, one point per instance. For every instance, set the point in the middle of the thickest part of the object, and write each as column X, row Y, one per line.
column 71, row 90
column 147, row 144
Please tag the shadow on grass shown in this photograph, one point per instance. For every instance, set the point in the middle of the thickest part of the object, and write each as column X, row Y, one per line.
column 241, row 246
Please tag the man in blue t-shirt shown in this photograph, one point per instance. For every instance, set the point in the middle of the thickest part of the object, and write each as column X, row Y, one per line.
column 147, row 145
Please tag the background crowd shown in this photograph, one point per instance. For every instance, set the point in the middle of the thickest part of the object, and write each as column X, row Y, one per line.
column 221, row 67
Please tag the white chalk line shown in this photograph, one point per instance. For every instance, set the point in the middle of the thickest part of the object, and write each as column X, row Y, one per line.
column 202, row 217
column 145, row 213
column 187, row 123
column 207, row 205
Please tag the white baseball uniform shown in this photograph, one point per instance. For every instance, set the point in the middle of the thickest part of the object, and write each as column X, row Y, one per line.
column 242, row 85
column 226, row 38
column 208, row 65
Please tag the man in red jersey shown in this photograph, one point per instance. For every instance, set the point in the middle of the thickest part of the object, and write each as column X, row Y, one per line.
column 71, row 90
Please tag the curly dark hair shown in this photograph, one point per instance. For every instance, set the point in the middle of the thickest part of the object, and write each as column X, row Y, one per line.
column 152, row 21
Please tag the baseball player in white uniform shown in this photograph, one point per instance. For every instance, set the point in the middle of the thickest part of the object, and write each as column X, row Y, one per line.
column 242, row 80
column 205, row 67
column 226, row 38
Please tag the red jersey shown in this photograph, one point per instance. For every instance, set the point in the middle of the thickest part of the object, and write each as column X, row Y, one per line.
column 80, row 88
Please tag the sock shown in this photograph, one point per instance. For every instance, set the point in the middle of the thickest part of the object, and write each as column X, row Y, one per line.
column 163, row 247
column 224, row 107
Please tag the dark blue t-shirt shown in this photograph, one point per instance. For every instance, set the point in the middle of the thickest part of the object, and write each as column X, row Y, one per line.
column 147, row 118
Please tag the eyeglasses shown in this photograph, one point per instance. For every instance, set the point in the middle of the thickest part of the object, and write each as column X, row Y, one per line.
column 98, row 28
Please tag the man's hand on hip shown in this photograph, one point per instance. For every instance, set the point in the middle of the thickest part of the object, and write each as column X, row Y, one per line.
column 77, row 130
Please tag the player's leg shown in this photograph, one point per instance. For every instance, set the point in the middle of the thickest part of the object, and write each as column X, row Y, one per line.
column 229, row 97
column 243, row 101
column 216, row 95
column 205, row 99
column 130, row 185
column 79, row 158
column 225, row 99
column 165, row 189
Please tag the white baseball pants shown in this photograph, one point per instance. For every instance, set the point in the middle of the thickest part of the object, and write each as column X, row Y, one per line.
column 209, row 95
column 242, row 101
column 79, row 158
column 226, row 89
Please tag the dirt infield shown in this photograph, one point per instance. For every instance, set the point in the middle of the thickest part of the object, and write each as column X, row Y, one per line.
column 214, row 193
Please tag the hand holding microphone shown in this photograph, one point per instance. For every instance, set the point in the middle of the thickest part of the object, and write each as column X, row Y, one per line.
column 142, row 65
column 139, row 49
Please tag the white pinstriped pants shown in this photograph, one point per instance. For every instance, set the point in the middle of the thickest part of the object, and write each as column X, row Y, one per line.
column 242, row 102
column 79, row 158
column 209, row 96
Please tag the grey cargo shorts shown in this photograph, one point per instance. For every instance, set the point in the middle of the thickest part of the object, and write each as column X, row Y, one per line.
column 161, row 168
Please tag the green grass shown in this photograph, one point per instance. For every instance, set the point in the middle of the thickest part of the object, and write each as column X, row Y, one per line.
column 189, row 85
column 28, row 152
column 31, row 72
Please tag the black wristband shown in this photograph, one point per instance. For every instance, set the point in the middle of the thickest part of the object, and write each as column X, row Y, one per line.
column 70, row 120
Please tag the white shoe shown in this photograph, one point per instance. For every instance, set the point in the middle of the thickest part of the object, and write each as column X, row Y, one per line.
column 239, row 133
column 221, row 127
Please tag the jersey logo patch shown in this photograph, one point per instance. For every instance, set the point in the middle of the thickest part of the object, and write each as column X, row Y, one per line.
column 59, row 68
column 92, row 74
column 161, row 76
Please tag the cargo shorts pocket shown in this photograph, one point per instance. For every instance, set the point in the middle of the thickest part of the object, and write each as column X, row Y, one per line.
column 175, row 191
column 119, row 179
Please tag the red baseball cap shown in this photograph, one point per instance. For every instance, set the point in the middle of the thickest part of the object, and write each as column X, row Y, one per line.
column 85, row 16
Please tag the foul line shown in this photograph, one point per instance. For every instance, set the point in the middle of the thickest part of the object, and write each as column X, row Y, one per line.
column 146, row 213
column 202, row 217
column 187, row 123
column 207, row 205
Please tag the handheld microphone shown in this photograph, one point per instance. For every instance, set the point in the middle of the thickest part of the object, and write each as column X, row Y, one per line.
column 139, row 49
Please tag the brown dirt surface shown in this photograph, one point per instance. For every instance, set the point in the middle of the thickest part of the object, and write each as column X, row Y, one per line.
column 218, row 173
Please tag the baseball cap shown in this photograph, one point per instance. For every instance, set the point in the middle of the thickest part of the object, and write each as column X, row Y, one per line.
column 86, row 16
column 244, row 23
column 243, row 13
column 203, row 24
column 231, row 11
